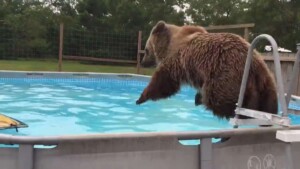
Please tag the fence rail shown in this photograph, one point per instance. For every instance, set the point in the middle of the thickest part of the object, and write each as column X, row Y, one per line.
column 246, row 28
column 85, row 58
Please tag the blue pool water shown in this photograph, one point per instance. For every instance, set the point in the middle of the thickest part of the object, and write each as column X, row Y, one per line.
column 98, row 105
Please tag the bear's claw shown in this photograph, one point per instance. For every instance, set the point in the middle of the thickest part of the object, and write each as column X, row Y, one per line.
column 140, row 100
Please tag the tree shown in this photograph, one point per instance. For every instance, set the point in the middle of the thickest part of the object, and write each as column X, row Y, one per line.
column 216, row 12
column 32, row 27
column 27, row 26
column 280, row 19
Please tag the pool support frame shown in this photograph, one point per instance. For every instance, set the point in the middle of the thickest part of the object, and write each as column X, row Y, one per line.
column 26, row 158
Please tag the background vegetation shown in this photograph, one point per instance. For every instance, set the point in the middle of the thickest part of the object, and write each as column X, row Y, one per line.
column 30, row 28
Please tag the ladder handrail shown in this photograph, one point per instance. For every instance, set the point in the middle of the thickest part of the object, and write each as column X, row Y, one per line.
column 280, row 88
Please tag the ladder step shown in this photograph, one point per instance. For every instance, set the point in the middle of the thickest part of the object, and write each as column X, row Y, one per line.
column 268, row 117
column 257, row 122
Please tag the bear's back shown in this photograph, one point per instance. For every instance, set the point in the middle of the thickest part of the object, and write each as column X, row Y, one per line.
column 214, row 52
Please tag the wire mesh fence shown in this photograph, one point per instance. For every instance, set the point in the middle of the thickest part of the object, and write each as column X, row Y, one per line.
column 16, row 43
column 105, row 45
column 80, row 42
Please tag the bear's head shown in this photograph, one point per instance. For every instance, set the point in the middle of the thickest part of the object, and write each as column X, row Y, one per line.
column 165, row 40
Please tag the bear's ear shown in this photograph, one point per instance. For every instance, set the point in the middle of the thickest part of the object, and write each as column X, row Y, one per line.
column 159, row 27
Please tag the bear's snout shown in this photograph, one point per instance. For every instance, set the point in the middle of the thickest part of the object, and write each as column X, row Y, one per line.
column 148, row 63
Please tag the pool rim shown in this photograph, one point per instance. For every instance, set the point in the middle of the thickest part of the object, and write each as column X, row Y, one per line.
column 24, row 74
column 182, row 135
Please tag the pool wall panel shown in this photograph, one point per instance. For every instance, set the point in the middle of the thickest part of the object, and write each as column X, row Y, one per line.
column 8, row 158
column 119, row 154
column 263, row 151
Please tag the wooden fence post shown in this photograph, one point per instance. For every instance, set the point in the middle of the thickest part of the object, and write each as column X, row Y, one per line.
column 246, row 34
column 139, row 46
column 61, row 41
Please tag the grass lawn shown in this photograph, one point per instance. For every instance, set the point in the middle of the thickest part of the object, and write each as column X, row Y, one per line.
column 68, row 66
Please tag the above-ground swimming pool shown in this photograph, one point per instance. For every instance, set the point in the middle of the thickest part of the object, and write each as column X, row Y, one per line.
column 76, row 103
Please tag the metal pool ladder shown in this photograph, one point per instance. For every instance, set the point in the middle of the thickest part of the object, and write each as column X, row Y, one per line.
column 264, row 118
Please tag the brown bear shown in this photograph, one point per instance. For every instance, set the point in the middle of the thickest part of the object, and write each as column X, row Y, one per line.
column 213, row 63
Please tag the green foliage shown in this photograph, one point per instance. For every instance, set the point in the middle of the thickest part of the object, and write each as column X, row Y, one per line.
column 279, row 18
column 31, row 29
column 25, row 28
column 216, row 12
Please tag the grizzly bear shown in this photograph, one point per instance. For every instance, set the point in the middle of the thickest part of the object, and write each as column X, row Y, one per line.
column 212, row 63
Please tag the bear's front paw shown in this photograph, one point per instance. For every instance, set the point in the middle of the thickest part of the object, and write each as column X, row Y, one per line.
column 141, row 100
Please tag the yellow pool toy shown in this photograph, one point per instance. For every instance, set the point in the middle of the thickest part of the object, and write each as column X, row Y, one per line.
column 9, row 122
